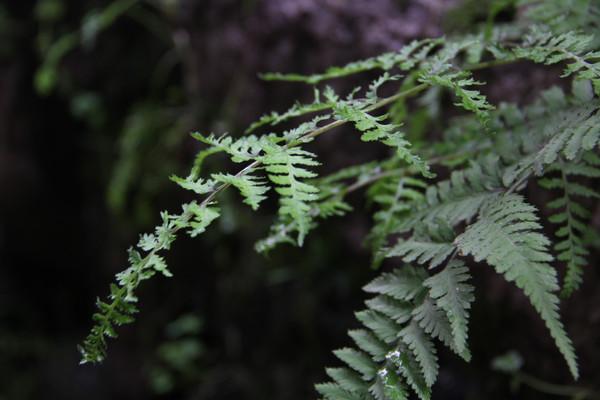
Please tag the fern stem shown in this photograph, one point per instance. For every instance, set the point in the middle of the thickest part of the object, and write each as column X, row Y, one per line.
column 555, row 389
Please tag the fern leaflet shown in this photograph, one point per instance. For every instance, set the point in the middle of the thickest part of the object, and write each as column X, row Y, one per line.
column 505, row 236
column 571, row 215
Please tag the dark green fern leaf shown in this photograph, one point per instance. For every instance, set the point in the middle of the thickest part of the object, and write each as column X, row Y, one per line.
column 571, row 216
column 506, row 236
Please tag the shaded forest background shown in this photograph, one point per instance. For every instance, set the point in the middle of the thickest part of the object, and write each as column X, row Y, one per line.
column 87, row 143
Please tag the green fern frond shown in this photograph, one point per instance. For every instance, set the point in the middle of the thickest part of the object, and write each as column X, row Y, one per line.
column 358, row 361
column 431, row 243
column 506, row 237
column 403, row 284
column 120, row 308
column 423, row 349
column 571, row 215
column 400, row 323
column 454, row 295
column 398, row 311
column 279, row 233
column 201, row 217
column 395, row 196
column 421, row 251
column 287, row 168
column 561, row 15
column 247, row 148
column 547, row 47
column 252, row 188
column 369, row 343
column 460, row 83
column 335, row 391
column 115, row 313
column 409, row 56
column 373, row 129
column 435, row 323
column 567, row 132
column 347, row 380
column 297, row 110
column 198, row 186
column 459, row 198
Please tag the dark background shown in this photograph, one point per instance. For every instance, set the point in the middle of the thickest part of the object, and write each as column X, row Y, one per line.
column 84, row 166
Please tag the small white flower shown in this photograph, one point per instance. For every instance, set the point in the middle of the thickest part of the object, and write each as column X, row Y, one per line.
column 382, row 373
column 393, row 355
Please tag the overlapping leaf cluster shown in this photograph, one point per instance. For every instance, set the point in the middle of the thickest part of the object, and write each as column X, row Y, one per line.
column 429, row 226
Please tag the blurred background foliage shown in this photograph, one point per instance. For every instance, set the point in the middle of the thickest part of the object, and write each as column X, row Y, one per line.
column 97, row 100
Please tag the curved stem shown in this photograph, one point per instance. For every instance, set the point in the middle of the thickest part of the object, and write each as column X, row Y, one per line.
column 575, row 392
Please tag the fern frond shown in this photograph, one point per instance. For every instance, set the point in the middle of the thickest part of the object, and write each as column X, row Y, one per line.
column 461, row 83
column 358, row 361
column 431, row 244
column 279, row 233
column 404, row 360
column 297, row 110
column 369, row 343
column 398, row 311
column 563, row 15
column 409, row 56
column 347, row 380
column 252, row 188
column 120, row 308
column 374, row 129
column 423, row 349
column 198, row 186
column 287, row 168
column 115, row 313
column 395, row 196
column 421, row 251
column 403, row 284
column 334, row 391
column 400, row 323
column 571, row 215
column 453, row 295
column 506, row 237
column 201, row 217
column 459, row 198
column 573, row 48
column 567, row 132
column 247, row 148
column 435, row 323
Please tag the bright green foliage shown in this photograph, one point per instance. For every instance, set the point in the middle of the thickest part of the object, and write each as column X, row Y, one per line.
column 506, row 236
column 244, row 149
column 571, row 215
column 373, row 129
column 198, row 186
column 548, row 48
column 251, row 187
column 405, row 59
column 143, row 264
column 470, row 207
column 201, row 217
column 458, row 83
column 440, row 71
column 287, row 168
column 295, row 111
